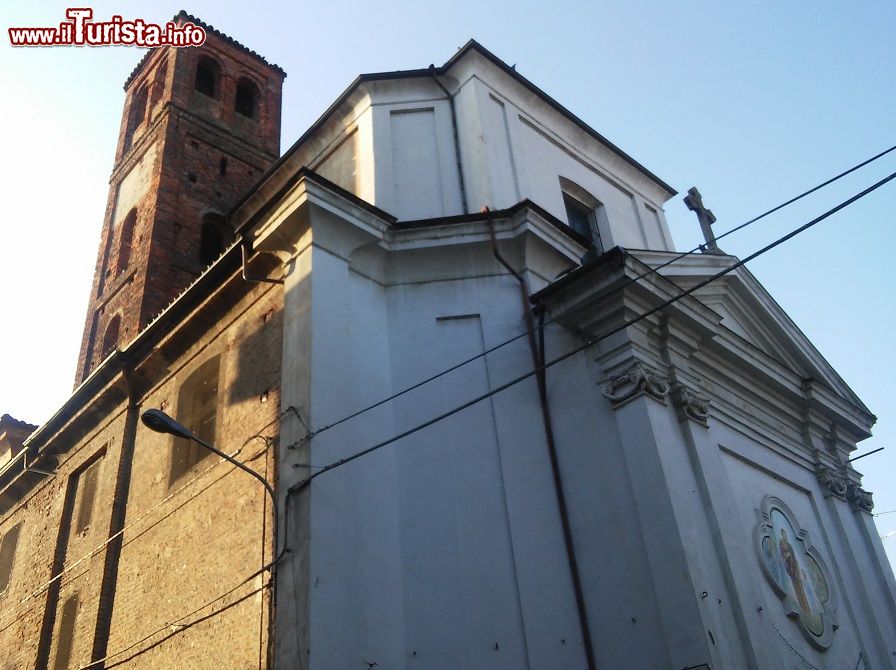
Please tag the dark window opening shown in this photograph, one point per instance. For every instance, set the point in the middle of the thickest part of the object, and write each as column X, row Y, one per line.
column 66, row 638
column 8, row 554
column 136, row 114
column 110, row 339
column 246, row 98
column 87, row 485
column 222, row 167
column 578, row 215
column 192, row 178
column 158, row 83
column 214, row 238
column 207, row 71
column 583, row 218
column 125, row 240
column 197, row 407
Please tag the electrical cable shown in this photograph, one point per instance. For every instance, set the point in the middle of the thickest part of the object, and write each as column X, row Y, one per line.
column 93, row 552
column 588, row 343
column 175, row 624
column 593, row 340
column 625, row 284
column 664, row 304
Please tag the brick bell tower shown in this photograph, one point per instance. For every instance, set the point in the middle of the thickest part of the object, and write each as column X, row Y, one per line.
column 200, row 126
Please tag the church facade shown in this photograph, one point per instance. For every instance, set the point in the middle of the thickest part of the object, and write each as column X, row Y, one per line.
column 506, row 424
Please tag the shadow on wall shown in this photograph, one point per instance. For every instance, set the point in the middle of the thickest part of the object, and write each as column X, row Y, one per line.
column 258, row 359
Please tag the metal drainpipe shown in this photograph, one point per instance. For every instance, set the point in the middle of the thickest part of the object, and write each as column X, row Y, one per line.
column 541, row 376
column 460, row 170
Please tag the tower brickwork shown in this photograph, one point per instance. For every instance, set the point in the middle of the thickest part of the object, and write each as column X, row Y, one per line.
column 200, row 126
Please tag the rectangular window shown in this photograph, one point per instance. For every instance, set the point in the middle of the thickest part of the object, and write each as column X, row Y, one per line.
column 582, row 218
column 585, row 215
column 8, row 554
column 197, row 409
column 579, row 216
column 87, row 485
column 65, row 640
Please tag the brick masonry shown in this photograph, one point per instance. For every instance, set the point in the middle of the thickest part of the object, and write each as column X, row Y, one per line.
column 155, row 550
column 179, row 148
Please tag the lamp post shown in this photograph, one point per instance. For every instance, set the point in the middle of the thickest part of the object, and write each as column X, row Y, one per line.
column 158, row 421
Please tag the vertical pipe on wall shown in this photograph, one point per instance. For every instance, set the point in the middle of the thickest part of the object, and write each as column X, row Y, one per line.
column 538, row 358
column 460, row 169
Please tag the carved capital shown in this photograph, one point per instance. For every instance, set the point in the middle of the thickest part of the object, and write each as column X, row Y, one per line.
column 691, row 404
column 831, row 481
column 633, row 382
column 859, row 498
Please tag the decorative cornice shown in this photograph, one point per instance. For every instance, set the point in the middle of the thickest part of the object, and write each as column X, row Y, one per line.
column 860, row 499
column 831, row 481
column 691, row 404
column 637, row 380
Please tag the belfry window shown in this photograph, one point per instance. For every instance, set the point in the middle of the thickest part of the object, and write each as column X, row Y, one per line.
column 207, row 72
column 246, row 98
column 8, row 554
column 136, row 114
column 197, row 409
column 125, row 239
column 110, row 339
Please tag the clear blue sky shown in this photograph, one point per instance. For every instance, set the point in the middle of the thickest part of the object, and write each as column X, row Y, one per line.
column 751, row 102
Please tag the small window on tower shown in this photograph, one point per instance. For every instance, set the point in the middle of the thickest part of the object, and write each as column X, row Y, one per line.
column 207, row 71
column 110, row 339
column 246, row 98
column 215, row 237
column 125, row 239
column 136, row 114
column 197, row 409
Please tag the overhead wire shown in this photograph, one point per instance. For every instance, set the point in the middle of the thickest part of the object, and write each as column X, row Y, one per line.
column 593, row 340
column 629, row 281
column 17, row 609
column 589, row 342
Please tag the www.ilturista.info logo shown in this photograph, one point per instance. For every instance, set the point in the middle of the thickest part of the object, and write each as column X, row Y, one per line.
column 80, row 30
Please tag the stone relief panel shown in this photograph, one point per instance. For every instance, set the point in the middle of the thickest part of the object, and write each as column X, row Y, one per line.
column 636, row 380
column 860, row 499
column 831, row 481
column 691, row 404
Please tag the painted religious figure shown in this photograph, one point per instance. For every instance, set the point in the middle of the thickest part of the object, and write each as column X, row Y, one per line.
column 795, row 570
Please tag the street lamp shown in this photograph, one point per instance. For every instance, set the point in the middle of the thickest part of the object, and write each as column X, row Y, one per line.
column 158, row 421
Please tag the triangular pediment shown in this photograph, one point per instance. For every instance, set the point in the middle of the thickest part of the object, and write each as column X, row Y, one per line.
column 749, row 312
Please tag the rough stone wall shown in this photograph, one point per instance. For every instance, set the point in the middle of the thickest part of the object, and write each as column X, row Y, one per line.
column 201, row 535
column 33, row 595
column 184, row 543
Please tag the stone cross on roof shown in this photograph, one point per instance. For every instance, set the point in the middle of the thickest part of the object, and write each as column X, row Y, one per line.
column 694, row 202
